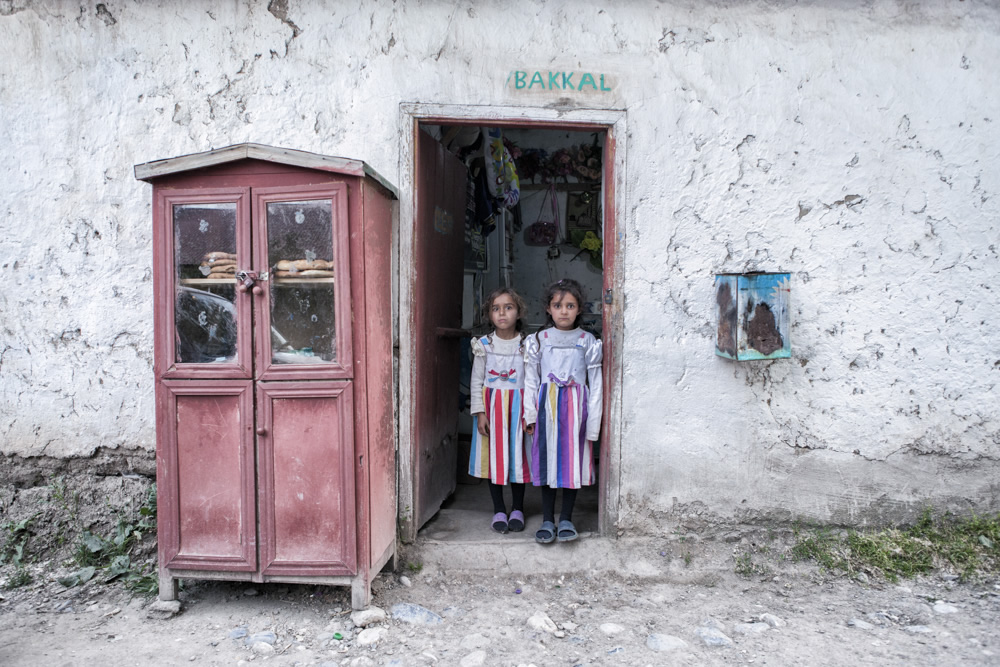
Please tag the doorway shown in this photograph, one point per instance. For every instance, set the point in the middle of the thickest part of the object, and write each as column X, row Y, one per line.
column 442, row 284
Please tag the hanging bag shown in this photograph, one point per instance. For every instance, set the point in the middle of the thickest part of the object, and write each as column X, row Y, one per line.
column 545, row 230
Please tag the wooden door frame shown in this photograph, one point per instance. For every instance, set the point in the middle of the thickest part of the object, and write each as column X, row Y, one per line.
column 611, row 121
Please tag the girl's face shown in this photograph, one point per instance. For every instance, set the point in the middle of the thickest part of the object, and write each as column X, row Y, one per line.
column 563, row 309
column 503, row 315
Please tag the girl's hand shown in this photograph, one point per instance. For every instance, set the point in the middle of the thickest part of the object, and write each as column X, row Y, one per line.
column 529, row 429
column 482, row 424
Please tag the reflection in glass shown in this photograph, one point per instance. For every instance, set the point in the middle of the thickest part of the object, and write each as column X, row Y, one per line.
column 300, row 256
column 205, row 265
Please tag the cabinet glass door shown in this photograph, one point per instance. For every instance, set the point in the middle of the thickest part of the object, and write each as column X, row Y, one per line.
column 208, row 336
column 304, row 255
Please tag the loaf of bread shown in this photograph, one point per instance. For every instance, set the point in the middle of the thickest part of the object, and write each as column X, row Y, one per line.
column 221, row 276
column 303, row 265
column 217, row 256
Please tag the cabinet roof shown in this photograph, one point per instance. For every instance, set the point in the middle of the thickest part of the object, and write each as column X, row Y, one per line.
column 175, row 165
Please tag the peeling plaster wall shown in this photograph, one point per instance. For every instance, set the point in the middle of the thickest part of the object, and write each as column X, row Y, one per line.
column 853, row 144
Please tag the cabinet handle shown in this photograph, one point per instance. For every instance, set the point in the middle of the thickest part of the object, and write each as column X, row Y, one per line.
column 261, row 431
column 258, row 290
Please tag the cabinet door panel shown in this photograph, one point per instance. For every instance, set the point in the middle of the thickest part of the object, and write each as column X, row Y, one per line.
column 205, row 472
column 203, row 322
column 301, row 242
column 307, row 504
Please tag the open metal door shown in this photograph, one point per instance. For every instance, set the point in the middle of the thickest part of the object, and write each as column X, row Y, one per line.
column 439, row 237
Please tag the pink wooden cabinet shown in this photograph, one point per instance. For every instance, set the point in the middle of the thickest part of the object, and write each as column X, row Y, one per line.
column 275, row 434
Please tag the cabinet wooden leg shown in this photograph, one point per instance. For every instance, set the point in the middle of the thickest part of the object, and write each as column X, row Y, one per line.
column 168, row 586
column 361, row 592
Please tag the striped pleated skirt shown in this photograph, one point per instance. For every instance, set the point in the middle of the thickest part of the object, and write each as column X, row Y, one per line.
column 501, row 457
column 561, row 456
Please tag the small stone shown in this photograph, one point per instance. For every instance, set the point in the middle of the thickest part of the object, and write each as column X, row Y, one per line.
column 452, row 612
column 660, row 642
column 262, row 648
column 918, row 629
column 949, row 577
column 408, row 612
column 879, row 618
column 945, row 608
column 266, row 637
column 617, row 649
column 713, row 636
column 541, row 622
column 569, row 625
column 714, row 623
column 238, row 633
column 250, row 592
column 362, row 661
column 163, row 609
column 405, row 581
column 859, row 624
column 474, row 659
column 611, row 629
column 366, row 617
column 772, row 620
column 751, row 628
column 370, row 636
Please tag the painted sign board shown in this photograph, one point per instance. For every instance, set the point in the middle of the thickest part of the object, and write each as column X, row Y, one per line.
column 567, row 82
column 754, row 321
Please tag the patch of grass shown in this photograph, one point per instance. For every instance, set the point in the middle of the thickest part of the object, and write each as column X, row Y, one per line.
column 112, row 555
column 21, row 577
column 15, row 550
column 17, row 534
column 967, row 545
column 747, row 568
column 414, row 567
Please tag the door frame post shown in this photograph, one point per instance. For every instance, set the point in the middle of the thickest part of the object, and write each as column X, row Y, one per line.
column 612, row 121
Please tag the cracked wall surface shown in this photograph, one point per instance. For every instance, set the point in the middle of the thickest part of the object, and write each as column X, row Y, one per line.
column 854, row 145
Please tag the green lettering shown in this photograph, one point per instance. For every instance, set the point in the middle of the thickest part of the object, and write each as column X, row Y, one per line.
column 519, row 78
column 537, row 77
column 602, row 84
column 587, row 80
column 553, row 80
column 568, row 81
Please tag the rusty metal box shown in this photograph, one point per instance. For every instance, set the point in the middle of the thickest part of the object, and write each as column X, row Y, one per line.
column 753, row 313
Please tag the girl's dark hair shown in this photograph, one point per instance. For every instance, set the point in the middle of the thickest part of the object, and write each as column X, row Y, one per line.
column 514, row 296
column 567, row 286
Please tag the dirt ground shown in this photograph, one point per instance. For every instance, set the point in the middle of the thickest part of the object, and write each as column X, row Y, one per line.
column 785, row 614
column 464, row 595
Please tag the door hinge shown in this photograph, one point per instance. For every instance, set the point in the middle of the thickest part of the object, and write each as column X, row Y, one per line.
column 608, row 296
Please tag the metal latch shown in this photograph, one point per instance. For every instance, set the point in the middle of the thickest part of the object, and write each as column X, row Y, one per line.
column 608, row 298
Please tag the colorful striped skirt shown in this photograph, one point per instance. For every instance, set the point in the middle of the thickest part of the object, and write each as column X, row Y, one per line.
column 561, row 456
column 501, row 457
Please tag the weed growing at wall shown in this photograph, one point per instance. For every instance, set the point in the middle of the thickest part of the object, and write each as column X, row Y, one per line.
column 970, row 546
column 111, row 556
column 14, row 550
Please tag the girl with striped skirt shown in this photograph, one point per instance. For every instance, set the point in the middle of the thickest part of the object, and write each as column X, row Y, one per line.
column 497, row 404
column 563, row 389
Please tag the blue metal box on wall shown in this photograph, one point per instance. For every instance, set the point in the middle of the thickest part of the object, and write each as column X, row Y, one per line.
column 754, row 320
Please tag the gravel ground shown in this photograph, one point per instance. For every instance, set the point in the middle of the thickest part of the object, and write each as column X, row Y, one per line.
column 691, row 610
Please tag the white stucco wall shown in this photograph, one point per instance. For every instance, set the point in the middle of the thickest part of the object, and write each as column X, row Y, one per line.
column 854, row 144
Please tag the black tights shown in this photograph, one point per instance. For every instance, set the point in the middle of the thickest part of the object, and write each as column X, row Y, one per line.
column 517, row 501
column 549, row 504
